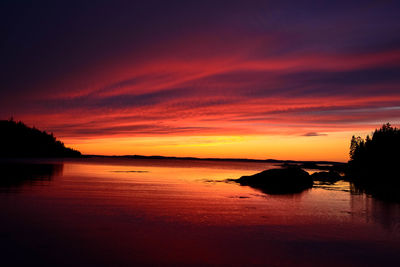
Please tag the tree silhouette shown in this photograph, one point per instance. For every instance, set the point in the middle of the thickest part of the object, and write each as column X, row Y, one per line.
column 373, row 162
column 19, row 140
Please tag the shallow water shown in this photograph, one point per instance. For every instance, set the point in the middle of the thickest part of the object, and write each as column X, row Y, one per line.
column 100, row 211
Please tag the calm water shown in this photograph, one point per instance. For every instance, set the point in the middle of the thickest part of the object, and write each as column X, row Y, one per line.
column 112, row 212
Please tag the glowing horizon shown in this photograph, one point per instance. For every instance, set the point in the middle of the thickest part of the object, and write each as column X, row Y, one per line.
column 319, row 147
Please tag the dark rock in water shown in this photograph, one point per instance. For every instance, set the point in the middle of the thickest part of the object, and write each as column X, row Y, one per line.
column 279, row 181
column 330, row 177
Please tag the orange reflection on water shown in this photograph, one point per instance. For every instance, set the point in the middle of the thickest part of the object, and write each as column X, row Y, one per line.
column 199, row 193
column 103, row 212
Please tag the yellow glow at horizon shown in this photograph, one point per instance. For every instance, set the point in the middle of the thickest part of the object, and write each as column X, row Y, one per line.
column 334, row 146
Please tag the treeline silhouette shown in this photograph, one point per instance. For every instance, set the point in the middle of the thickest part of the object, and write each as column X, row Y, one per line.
column 19, row 140
column 374, row 163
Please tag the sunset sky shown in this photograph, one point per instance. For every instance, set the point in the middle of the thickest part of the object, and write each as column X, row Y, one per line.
column 243, row 79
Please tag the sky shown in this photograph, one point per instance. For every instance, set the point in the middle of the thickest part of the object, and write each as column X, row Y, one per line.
column 242, row 79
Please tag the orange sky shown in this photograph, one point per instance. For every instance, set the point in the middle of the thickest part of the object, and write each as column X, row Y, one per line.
column 258, row 147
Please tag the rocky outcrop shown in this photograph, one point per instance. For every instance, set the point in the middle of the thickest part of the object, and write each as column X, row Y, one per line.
column 329, row 177
column 279, row 181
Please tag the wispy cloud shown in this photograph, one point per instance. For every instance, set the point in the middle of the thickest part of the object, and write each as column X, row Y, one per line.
column 312, row 134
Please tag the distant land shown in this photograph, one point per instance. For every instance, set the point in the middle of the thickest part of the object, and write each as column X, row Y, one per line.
column 215, row 159
column 317, row 165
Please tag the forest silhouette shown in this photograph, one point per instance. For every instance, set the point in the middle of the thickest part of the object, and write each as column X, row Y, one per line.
column 373, row 164
column 19, row 140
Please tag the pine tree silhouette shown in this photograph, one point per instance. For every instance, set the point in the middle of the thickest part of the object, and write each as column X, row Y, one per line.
column 19, row 140
column 374, row 160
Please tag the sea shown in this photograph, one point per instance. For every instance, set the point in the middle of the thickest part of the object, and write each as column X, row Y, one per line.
column 102, row 211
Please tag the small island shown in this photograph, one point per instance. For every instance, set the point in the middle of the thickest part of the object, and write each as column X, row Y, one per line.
column 18, row 141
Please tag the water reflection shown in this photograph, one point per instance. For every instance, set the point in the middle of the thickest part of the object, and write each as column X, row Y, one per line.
column 369, row 209
column 129, row 213
column 274, row 194
column 16, row 174
column 340, row 185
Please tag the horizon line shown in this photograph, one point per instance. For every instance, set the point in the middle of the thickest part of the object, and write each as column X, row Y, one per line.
column 216, row 159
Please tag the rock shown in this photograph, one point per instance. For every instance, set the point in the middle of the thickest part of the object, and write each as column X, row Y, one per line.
column 331, row 176
column 279, row 181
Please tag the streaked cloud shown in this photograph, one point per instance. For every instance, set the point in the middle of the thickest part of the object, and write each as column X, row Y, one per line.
column 312, row 134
